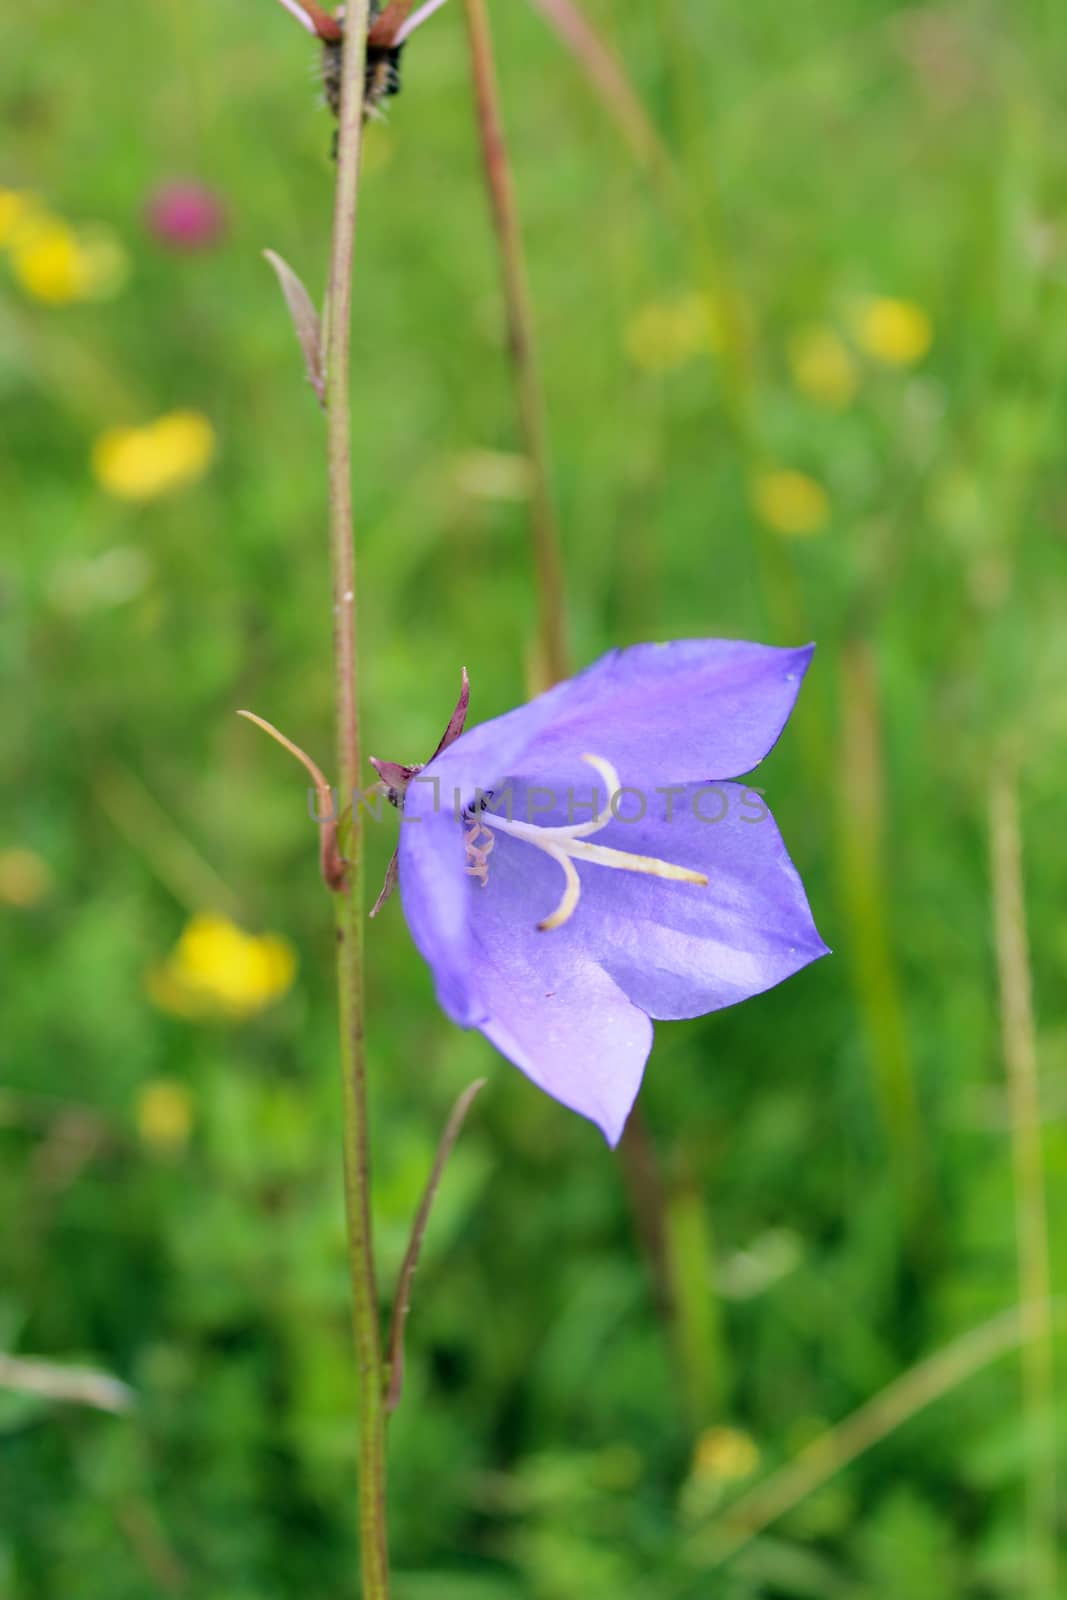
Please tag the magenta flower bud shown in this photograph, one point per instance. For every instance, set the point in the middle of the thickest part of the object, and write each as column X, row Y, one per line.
column 185, row 216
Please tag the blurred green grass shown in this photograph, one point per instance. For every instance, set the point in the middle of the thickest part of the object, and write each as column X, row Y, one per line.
column 545, row 1444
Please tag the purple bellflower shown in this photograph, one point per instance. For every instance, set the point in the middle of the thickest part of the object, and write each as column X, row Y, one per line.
column 581, row 866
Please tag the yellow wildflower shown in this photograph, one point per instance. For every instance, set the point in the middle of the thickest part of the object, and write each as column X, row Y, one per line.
column 46, row 260
column 15, row 206
column 896, row 332
column 217, row 969
column 724, row 1455
column 665, row 334
column 164, row 1115
column 790, row 502
column 59, row 264
column 822, row 367
column 25, row 878
column 141, row 463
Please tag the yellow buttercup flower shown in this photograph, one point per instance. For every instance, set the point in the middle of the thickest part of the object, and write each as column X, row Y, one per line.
column 790, row 502
column 164, row 1114
column 216, row 969
column 141, row 463
column 59, row 264
column 896, row 332
column 25, row 878
column 666, row 334
column 822, row 367
column 46, row 259
column 724, row 1455
column 16, row 205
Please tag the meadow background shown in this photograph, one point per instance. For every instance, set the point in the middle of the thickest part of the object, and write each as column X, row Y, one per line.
column 824, row 398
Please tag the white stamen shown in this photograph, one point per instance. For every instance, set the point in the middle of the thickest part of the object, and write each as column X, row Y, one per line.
column 416, row 20
column 565, row 910
column 602, row 855
column 566, row 843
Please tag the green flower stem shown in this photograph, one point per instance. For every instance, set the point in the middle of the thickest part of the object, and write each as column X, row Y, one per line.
column 1019, row 1037
column 374, row 1557
column 548, row 565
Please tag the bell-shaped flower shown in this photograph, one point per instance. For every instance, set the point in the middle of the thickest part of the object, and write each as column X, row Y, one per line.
column 583, row 865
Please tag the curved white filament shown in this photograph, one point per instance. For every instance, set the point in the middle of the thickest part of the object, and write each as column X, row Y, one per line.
column 565, row 910
column 566, row 844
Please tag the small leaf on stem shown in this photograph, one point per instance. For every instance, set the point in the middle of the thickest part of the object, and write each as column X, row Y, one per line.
column 331, row 859
column 305, row 322
column 402, row 1302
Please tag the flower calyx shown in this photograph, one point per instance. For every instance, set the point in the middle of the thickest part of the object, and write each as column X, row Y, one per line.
column 395, row 776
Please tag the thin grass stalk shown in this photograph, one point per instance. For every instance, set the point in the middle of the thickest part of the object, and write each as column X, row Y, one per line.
column 374, row 1558
column 698, row 200
column 700, row 1350
column 1031, row 1224
column 608, row 77
column 544, row 526
column 686, row 186
column 170, row 854
column 862, row 889
column 832, row 1451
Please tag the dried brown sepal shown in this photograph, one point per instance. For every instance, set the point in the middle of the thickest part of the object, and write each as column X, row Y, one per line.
column 326, row 26
column 387, row 24
column 459, row 716
column 392, row 878
column 396, row 776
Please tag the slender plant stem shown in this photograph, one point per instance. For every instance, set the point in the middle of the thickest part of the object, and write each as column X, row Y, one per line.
column 151, row 830
column 548, row 564
column 932, row 1378
column 685, row 185
column 1031, row 1224
column 860, row 843
column 349, row 901
column 699, row 1347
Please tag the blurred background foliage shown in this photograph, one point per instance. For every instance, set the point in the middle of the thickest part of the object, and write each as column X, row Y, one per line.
column 824, row 397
